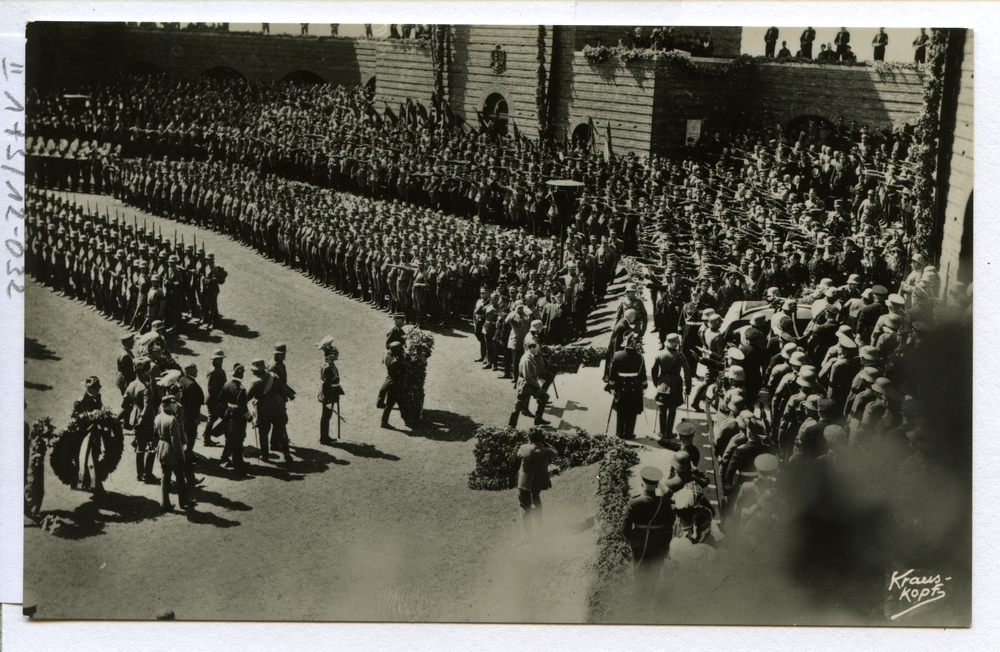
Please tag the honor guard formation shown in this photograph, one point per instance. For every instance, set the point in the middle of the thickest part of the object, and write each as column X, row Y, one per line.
column 782, row 273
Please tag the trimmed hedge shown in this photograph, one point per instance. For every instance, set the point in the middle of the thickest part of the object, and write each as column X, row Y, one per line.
column 496, row 454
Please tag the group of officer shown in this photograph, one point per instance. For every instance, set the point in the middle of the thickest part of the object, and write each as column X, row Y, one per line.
column 142, row 278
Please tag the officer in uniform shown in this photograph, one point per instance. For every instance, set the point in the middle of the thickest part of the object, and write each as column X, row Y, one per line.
column 139, row 408
column 216, row 381
column 126, row 364
column 271, row 395
column 633, row 300
column 533, row 475
column 648, row 527
column 670, row 392
column 192, row 398
column 330, row 390
column 529, row 384
column 395, row 371
column 627, row 380
column 236, row 410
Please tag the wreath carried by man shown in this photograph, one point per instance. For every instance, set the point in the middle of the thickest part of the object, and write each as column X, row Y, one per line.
column 85, row 430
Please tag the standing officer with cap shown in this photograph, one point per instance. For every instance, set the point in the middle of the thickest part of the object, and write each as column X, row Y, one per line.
column 330, row 390
column 533, row 476
column 237, row 414
column 277, row 366
column 139, row 408
column 670, row 391
column 627, row 380
column 397, row 335
column 216, row 381
column 170, row 451
column 126, row 364
column 395, row 372
column 192, row 398
column 633, row 301
column 271, row 395
column 648, row 527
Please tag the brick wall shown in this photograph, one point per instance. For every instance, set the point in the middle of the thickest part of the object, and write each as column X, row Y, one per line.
column 81, row 53
column 956, row 243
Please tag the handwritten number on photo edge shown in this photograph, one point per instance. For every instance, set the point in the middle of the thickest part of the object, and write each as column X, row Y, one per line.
column 19, row 288
column 18, row 270
column 18, row 107
column 10, row 209
column 20, row 248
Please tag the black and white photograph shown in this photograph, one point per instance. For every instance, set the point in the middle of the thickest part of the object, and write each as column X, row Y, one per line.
column 503, row 324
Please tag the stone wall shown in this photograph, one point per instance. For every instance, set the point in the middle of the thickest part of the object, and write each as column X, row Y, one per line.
column 956, row 182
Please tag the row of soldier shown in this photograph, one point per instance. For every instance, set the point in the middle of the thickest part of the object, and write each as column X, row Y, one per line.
column 396, row 257
column 128, row 272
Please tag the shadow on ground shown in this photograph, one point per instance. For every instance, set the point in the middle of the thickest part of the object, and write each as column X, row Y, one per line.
column 232, row 329
column 362, row 450
column 440, row 425
column 37, row 351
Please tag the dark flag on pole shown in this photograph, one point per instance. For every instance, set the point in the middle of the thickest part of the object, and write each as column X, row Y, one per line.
column 390, row 116
column 421, row 114
column 609, row 153
column 592, row 137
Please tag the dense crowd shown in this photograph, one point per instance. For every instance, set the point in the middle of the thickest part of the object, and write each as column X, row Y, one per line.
column 398, row 209
column 134, row 274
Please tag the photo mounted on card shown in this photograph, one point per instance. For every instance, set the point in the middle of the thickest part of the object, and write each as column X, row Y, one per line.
column 498, row 324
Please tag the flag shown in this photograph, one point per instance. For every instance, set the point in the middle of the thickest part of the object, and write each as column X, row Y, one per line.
column 390, row 116
column 404, row 117
column 608, row 152
column 517, row 134
column 449, row 116
column 421, row 114
column 592, row 137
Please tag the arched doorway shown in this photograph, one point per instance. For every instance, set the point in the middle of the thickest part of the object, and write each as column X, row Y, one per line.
column 370, row 88
column 223, row 72
column 303, row 77
column 495, row 109
column 581, row 135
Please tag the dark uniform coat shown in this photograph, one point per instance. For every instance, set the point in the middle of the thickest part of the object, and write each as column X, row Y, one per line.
column 628, row 379
column 648, row 526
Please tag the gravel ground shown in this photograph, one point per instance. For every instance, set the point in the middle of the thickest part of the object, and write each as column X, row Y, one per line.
column 380, row 526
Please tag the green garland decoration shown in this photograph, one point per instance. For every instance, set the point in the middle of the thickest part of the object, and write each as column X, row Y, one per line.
column 602, row 54
column 64, row 459
column 496, row 454
column 419, row 345
column 926, row 135
column 42, row 432
column 437, row 54
column 614, row 556
column 541, row 99
column 569, row 359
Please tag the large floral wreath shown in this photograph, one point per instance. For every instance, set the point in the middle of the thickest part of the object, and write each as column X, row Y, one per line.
column 65, row 456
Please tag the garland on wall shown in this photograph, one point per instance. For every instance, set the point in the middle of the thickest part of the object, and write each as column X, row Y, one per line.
column 602, row 54
column 541, row 101
column 438, row 57
column 926, row 136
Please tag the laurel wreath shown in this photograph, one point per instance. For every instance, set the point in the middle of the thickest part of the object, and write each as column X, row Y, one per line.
column 65, row 456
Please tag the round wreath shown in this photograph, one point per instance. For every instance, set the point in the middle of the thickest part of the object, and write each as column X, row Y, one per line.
column 66, row 450
column 42, row 431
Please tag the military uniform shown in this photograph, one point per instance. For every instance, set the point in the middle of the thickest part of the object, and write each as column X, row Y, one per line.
column 648, row 522
column 628, row 380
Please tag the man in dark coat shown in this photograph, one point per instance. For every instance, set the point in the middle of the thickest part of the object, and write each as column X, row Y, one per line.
column 271, row 394
column 237, row 414
column 126, row 364
column 533, row 476
column 627, row 380
column 648, row 527
column 216, row 381
column 670, row 389
column 395, row 371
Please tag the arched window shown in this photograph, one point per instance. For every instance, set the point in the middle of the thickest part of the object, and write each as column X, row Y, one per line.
column 495, row 110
